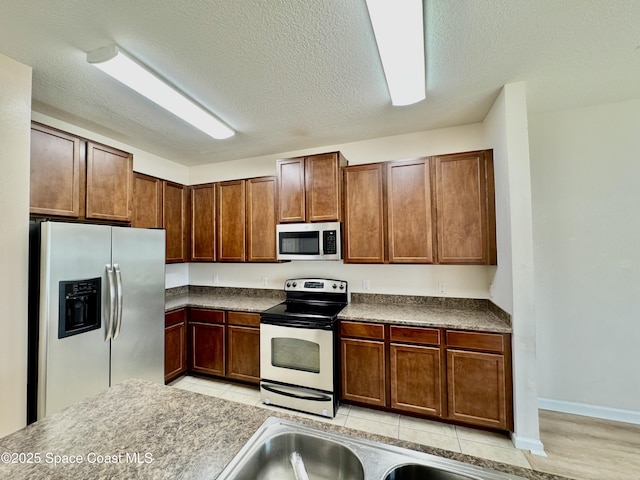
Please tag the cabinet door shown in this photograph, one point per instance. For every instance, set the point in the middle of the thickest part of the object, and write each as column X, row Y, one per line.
column 231, row 221
column 364, row 214
column 55, row 172
column 477, row 388
column 147, row 201
column 174, row 209
column 363, row 371
column 203, row 215
column 323, row 188
column 410, row 231
column 291, row 190
column 109, row 183
column 415, row 379
column 243, row 353
column 207, row 348
column 175, row 344
column 465, row 209
column 261, row 219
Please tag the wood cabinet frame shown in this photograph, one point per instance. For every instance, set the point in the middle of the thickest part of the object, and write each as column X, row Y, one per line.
column 203, row 222
column 76, row 178
column 310, row 188
column 175, row 341
column 415, row 370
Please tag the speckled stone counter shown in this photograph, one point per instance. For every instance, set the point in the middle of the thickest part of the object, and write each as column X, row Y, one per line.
column 443, row 312
column 223, row 298
column 140, row 430
column 465, row 314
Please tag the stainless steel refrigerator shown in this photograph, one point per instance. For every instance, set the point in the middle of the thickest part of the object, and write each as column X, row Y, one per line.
column 96, row 311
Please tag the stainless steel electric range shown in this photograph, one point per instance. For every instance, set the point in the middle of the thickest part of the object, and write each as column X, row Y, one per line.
column 299, row 346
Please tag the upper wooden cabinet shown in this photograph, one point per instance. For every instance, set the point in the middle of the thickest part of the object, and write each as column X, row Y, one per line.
column 364, row 227
column 410, row 231
column 431, row 210
column 203, row 223
column 309, row 188
column 147, row 201
column 261, row 219
column 174, row 221
column 109, row 183
column 231, row 221
column 75, row 178
column 465, row 206
column 246, row 220
column 55, row 172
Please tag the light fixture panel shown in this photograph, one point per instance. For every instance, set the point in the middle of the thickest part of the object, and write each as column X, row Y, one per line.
column 113, row 61
column 398, row 26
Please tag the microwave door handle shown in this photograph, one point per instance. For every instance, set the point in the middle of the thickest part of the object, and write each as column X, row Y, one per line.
column 112, row 302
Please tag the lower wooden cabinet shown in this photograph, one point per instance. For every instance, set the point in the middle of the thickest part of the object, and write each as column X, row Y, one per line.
column 206, row 345
column 416, row 360
column 175, row 344
column 479, row 381
column 243, row 346
column 358, row 357
column 456, row 375
column 416, row 379
column 363, row 363
column 218, row 342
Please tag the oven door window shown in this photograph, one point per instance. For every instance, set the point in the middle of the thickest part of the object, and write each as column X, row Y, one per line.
column 296, row 354
column 299, row 243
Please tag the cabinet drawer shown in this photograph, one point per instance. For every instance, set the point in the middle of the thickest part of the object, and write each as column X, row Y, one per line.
column 490, row 342
column 206, row 316
column 175, row 317
column 362, row 330
column 243, row 318
column 428, row 336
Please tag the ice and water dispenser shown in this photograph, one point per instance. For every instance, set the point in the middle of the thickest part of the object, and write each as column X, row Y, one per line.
column 79, row 306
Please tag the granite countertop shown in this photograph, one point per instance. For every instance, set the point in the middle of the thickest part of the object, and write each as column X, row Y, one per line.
column 441, row 312
column 223, row 298
column 141, row 430
column 464, row 314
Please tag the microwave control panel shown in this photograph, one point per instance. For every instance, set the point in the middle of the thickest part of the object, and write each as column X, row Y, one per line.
column 329, row 242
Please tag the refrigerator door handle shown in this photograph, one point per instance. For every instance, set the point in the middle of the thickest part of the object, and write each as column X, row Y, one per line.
column 112, row 302
column 118, row 325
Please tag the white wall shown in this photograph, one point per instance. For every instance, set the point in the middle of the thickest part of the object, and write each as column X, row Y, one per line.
column 512, row 287
column 586, row 192
column 433, row 142
column 462, row 281
column 15, row 118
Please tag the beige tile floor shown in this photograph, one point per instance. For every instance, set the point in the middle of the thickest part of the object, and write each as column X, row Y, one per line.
column 577, row 447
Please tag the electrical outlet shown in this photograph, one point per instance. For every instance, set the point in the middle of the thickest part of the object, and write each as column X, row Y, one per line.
column 265, row 281
column 442, row 287
column 365, row 284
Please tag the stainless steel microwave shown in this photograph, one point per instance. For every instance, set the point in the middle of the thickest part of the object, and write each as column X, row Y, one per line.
column 309, row 241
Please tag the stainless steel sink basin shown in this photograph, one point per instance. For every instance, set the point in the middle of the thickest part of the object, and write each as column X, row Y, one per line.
column 322, row 459
column 416, row 471
column 333, row 456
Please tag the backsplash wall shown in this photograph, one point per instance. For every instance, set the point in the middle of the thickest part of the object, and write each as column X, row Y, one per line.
column 461, row 281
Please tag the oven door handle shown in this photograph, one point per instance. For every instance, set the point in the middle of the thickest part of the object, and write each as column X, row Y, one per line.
column 315, row 398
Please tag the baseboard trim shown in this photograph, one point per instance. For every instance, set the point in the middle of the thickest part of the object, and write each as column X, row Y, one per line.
column 534, row 445
column 606, row 413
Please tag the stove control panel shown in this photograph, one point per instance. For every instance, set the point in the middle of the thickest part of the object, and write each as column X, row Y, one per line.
column 320, row 285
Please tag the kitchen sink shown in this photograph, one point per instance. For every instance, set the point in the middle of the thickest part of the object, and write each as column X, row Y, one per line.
column 415, row 471
column 284, row 450
column 322, row 460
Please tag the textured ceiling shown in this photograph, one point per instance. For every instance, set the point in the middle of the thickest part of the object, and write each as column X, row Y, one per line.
column 295, row 74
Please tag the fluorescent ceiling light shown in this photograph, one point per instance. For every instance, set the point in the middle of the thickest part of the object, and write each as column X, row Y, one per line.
column 399, row 29
column 116, row 63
